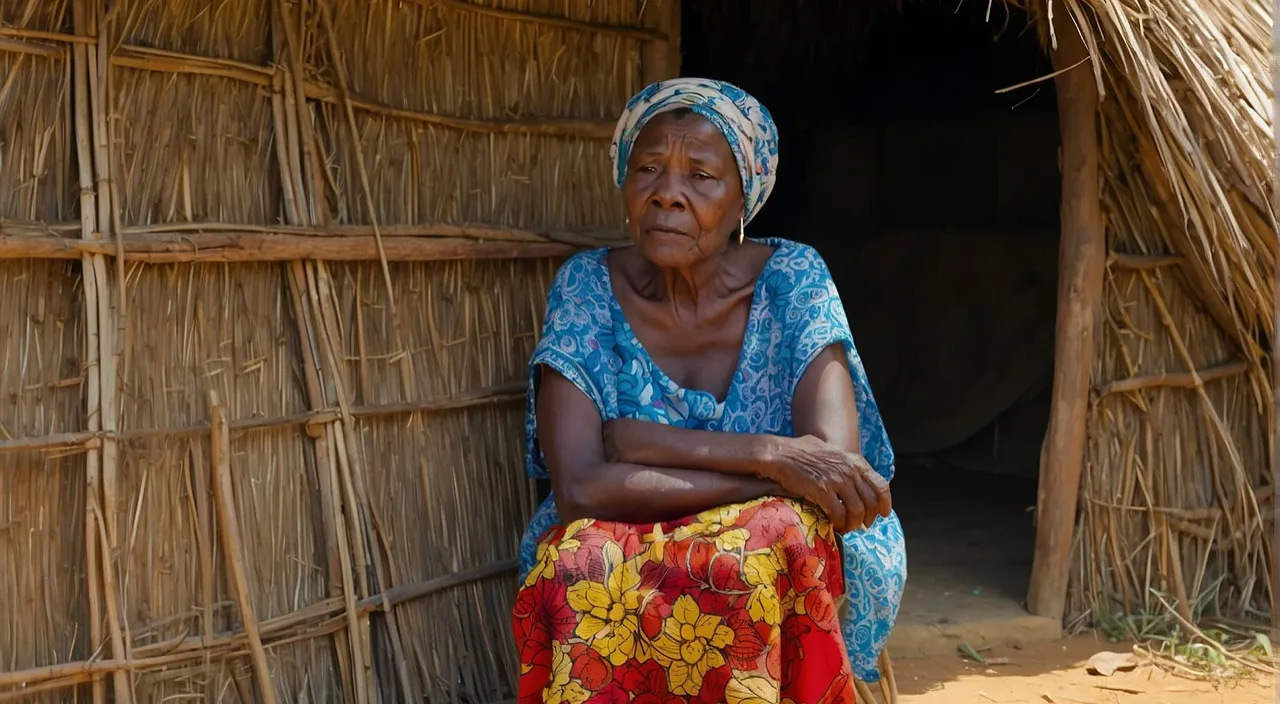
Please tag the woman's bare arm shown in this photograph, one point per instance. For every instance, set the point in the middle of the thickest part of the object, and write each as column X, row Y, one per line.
column 824, row 409
column 587, row 485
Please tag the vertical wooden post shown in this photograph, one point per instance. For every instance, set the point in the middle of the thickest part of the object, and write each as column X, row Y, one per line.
column 1275, row 369
column 90, row 67
column 660, row 60
column 224, row 498
column 1081, row 261
column 88, row 225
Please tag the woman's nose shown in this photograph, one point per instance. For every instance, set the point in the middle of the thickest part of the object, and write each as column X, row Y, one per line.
column 667, row 193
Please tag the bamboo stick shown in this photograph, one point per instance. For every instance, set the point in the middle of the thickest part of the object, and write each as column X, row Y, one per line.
column 23, row 46
column 263, row 247
column 36, row 227
column 545, row 127
column 316, row 620
column 636, row 33
column 93, row 461
column 546, row 20
column 1175, row 380
column 337, row 563
column 347, row 475
column 1233, row 453
column 498, row 395
column 476, row 231
column 22, row 33
column 1142, row 262
column 233, row 546
column 307, row 168
column 100, row 501
column 406, row 361
column 142, row 59
column 1082, row 264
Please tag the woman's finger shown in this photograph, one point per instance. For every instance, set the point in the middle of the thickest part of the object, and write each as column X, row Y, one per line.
column 855, row 508
column 867, row 493
column 831, row 505
column 884, row 497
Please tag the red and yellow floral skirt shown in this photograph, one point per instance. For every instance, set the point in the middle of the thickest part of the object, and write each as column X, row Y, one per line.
column 736, row 604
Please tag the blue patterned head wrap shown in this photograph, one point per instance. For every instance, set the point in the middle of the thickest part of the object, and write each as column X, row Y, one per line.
column 743, row 121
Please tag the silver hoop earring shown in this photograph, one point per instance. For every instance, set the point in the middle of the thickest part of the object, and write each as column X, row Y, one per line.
column 742, row 229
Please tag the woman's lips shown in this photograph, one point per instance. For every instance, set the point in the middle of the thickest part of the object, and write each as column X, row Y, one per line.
column 665, row 232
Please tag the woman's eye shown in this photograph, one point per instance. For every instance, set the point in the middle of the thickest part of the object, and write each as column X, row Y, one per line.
column 702, row 175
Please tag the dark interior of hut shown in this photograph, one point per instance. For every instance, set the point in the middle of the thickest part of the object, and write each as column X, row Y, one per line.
column 933, row 196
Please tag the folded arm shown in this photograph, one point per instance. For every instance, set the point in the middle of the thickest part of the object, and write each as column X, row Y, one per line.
column 588, row 485
column 821, row 463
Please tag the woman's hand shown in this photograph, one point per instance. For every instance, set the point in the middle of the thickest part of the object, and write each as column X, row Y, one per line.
column 843, row 484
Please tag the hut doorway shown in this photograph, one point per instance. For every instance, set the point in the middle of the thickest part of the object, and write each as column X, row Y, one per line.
column 933, row 195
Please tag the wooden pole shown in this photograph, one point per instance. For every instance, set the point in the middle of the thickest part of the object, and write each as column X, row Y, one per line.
column 233, row 546
column 94, row 569
column 1275, row 371
column 1082, row 259
column 660, row 58
column 276, row 247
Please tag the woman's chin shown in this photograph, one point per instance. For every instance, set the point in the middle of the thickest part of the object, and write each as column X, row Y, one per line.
column 669, row 251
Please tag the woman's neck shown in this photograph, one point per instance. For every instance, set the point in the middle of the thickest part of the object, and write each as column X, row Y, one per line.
column 689, row 292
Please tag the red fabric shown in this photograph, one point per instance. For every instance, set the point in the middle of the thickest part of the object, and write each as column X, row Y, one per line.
column 736, row 604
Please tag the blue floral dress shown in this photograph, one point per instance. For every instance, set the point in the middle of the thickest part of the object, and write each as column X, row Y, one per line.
column 796, row 312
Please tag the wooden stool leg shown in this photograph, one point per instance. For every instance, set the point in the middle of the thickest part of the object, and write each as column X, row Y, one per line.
column 888, row 683
column 864, row 692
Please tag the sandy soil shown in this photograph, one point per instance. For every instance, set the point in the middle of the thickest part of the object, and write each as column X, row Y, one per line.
column 1054, row 673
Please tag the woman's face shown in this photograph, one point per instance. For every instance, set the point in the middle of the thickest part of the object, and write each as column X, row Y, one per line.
column 682, row 190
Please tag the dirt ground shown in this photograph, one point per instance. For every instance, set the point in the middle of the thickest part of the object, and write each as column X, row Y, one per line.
column 1054, row 673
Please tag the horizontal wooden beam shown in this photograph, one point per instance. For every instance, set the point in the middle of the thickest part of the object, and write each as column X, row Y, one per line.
column 309, row 622
column 159, row 60
column 31, row 48
column 59, row 37
column 588, row 237
column 1142, row 262
column 546, row 127
column 278, row 247
column 637, row 33
column 1174, row 380
column 513, row 392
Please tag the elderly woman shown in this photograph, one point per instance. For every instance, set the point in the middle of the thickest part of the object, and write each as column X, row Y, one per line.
column 720, row 526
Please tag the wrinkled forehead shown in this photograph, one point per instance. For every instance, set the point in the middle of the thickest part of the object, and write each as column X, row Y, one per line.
column 696, row 133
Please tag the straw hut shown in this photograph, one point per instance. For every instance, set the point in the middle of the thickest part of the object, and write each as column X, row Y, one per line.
column 271, row 272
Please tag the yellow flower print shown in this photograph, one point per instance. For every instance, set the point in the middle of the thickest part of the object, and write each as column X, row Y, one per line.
column 563, row 689
column 549, row 553
column 657, row 542
column 764, row 606
column 751, row 690
column 812, row 522
column 733, row 539
column 690, row 646
column 709, row 522
column 609, row 610
column 761, row 568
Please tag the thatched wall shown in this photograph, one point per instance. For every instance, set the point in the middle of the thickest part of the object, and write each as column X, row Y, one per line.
column 340, row 217
column 368, row 417
column 1177, row 497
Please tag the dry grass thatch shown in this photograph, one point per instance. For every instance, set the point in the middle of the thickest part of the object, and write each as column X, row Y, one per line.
column 394, row 176
column 1177, row 494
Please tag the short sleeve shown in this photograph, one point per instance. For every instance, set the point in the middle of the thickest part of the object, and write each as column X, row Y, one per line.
column 815, row 319
column 576, row 341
